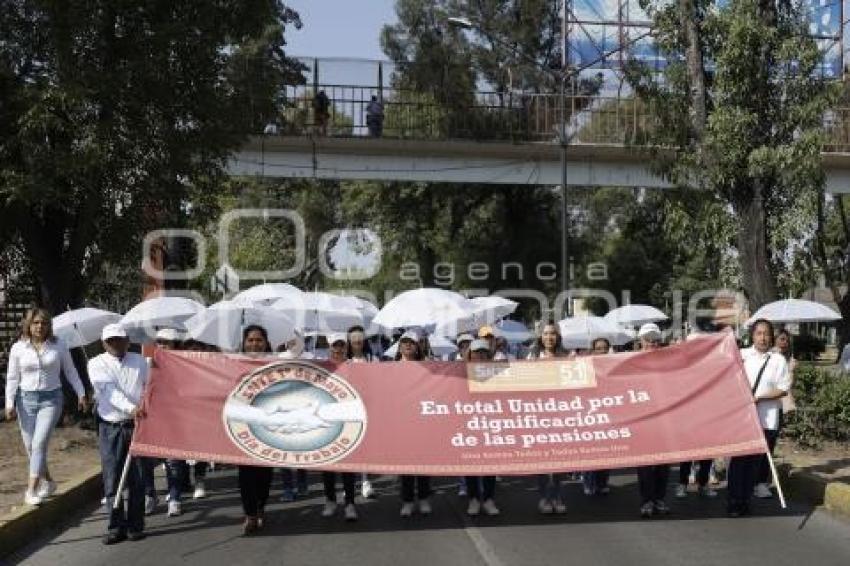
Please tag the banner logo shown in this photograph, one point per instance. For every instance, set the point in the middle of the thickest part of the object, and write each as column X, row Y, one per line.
column 295, row 413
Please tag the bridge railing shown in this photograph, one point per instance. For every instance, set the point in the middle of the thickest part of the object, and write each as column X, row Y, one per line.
column 487, row 116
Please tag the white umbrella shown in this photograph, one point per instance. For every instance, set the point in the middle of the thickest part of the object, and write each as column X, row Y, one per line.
column 81, row 327
column 320, row 312
column 514, row 331
column 795, row 310
column 143, row 320
column 634, row 315
column 267, row 293
column 490, row 309
column 581, row 331
column 222, row 325
column 427, row 308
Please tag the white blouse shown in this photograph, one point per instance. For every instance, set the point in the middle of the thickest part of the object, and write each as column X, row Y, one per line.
column 32, row 369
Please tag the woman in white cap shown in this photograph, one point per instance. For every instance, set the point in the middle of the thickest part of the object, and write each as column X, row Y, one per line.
column 359, row 351
column 408, row 351
column 34, row 395
column 550, row 346
column 294, row 479
column 339, row 355
column 481, row 490
column 652, row 480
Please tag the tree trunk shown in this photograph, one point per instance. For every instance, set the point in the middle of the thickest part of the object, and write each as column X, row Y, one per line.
column 759, row 283
column 688, row 19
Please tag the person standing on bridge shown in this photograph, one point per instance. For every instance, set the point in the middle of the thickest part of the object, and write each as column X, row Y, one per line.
column 119, row 378
column 321, row 112
column 375, row 117
column 549, row 346
column 652, row 480
column 34, row 395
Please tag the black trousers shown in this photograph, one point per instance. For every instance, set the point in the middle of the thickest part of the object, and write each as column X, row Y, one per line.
column 652, row 482
column 741, row 477
column 481, row 488
column 411, row 484
column 703, row 472
column 114, row 444
column 763, row 470
column 254, row 485
column 348, row 481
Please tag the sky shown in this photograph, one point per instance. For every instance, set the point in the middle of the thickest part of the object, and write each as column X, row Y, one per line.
column 339, row 28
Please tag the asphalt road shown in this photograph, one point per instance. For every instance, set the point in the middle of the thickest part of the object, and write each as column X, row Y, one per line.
column 595, row 531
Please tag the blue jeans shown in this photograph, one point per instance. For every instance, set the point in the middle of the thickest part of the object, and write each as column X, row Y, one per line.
column 114, row 441
column 38, row 413
column 176, row 476
column 594, row 481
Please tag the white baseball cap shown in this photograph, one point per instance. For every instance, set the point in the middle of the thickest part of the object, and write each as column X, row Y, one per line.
column 170, row 335
column 466, row 337
column 410, row 335
column 650, row 330
column 113, row 331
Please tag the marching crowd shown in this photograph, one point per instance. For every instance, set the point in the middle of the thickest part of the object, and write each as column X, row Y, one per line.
column 118, row 377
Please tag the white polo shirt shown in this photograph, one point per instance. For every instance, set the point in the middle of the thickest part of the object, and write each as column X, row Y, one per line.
column 32, row 369
column 776, row 376
column 118, row 384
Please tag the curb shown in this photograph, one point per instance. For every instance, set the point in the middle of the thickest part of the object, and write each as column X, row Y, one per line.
column 22, row 526
column 834, row 496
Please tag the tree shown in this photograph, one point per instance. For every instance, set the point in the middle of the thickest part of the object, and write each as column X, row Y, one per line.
column 742, row 103
column 117, row 116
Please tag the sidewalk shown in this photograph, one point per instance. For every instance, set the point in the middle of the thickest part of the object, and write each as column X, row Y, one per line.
column 821, row 477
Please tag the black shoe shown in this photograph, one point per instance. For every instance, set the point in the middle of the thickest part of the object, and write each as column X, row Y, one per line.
column 137, row 536
column 114, row 538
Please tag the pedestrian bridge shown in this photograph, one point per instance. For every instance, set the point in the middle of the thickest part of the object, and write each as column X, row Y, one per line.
column 499, row 138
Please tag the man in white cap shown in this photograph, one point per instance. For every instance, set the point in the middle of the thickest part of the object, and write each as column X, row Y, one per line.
column 652, row 480
column 119, row 378
column 463, row 342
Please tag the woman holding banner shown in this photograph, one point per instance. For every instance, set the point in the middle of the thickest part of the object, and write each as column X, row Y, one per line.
column 339, row 355
column 254, row 481
column 549, row 346
column 481, row 490
column 652, row 480
column 359, row 351
column 408, row 351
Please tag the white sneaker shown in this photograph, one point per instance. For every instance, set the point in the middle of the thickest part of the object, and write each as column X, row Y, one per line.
column 406, row 509
column 588, row 491
column 424, row 506
column 46, row 488
column 350, row 512
column 681, row 491
column 545, row 507
column 200, row 491
column 490, row 508
column 174, row 509
column 705, row 491
column 150, row 505
column 367, row 490
column 560, row 507
column 32, row 498
column 762, row 491
column 330, row 509
column 474, row 507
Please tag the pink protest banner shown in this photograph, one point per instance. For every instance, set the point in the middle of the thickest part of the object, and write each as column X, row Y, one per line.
column 686, row 402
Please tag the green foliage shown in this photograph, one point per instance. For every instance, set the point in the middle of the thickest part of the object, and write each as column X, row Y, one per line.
column 823, row 407
column 116, row 116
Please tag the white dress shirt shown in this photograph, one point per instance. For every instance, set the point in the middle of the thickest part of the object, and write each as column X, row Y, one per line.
column 118, row 384
column 37, row 369
column 776, row 376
